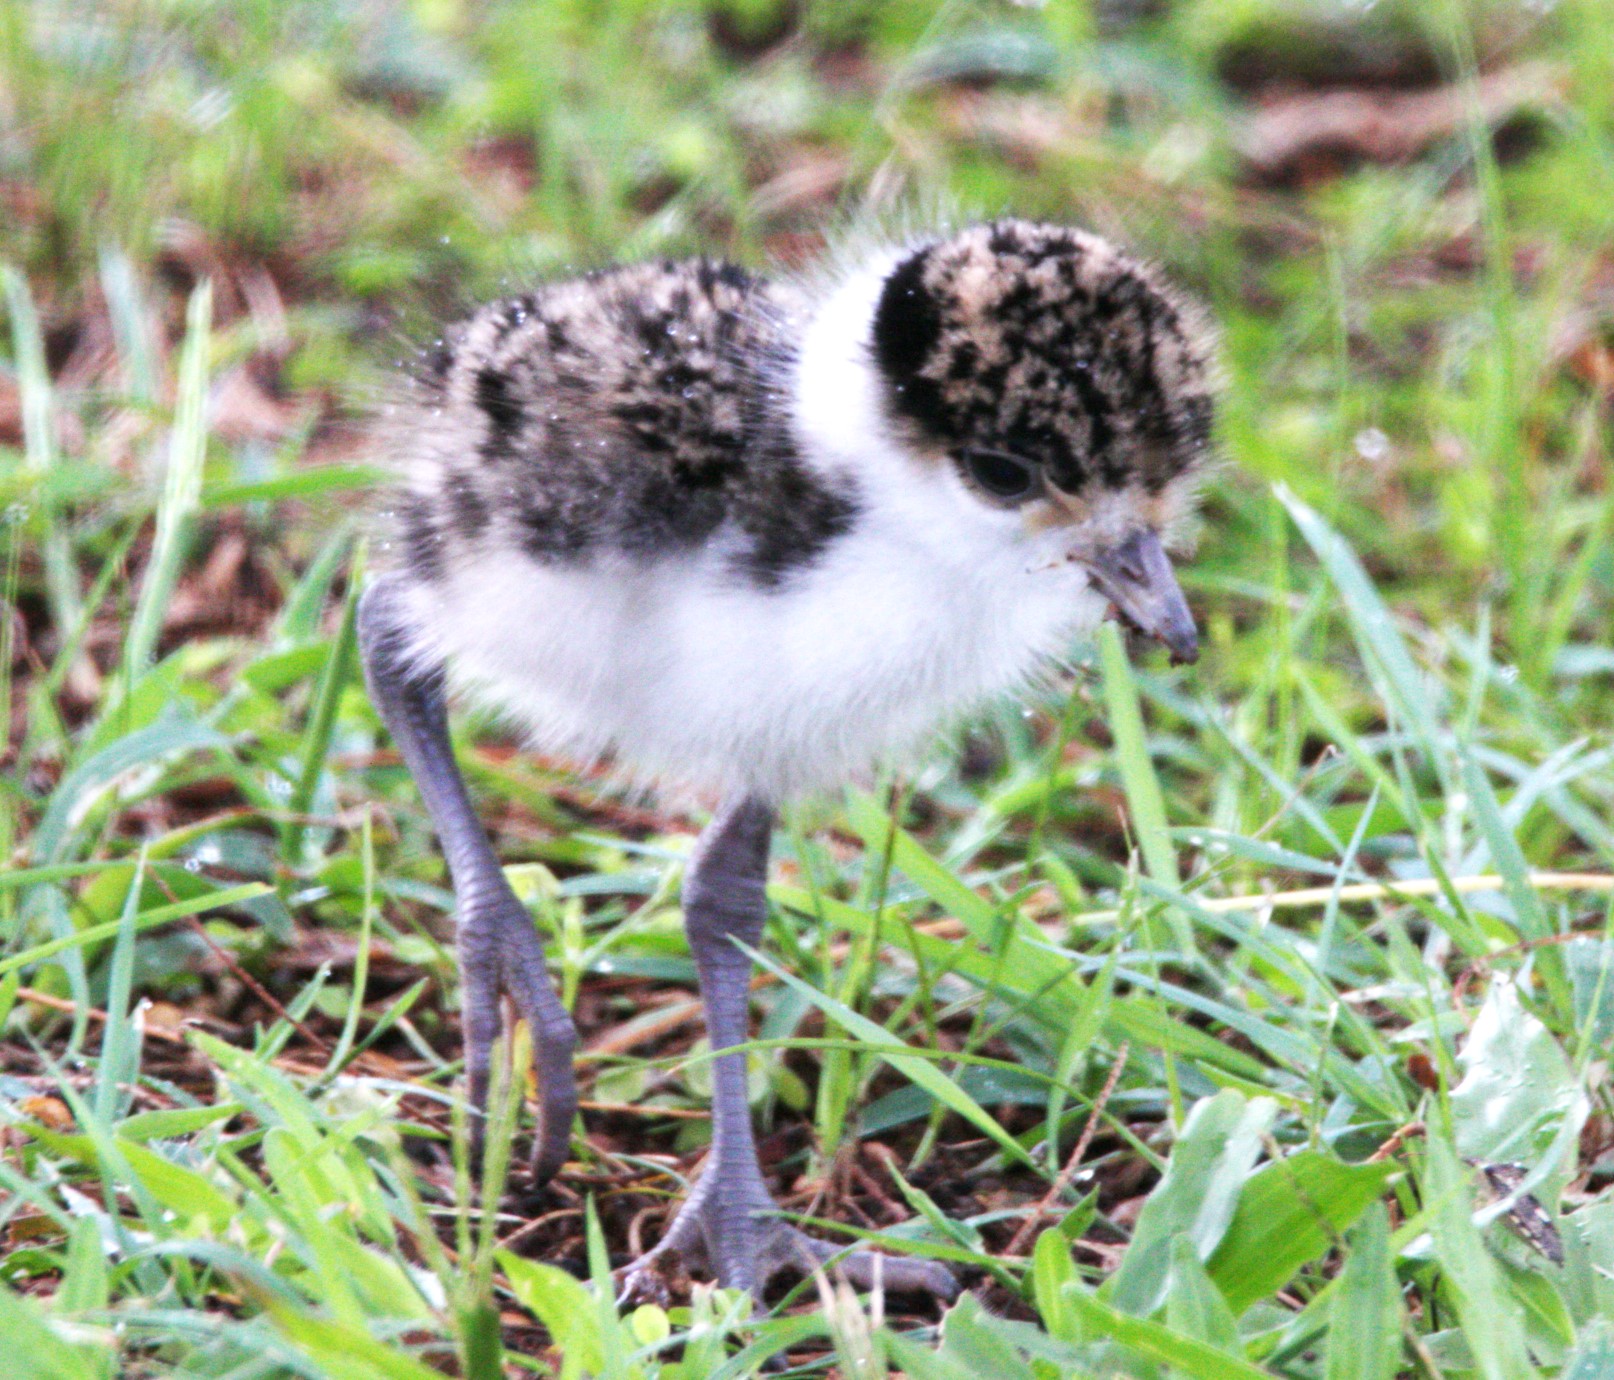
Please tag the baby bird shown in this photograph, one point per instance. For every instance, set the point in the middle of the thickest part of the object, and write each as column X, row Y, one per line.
column 751, row 537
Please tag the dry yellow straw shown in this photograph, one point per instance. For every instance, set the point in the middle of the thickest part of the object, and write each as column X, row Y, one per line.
column 1382, row 891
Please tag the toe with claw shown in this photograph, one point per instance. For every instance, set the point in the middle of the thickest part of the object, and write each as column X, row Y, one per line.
column 500, row 956
column 734, row 1231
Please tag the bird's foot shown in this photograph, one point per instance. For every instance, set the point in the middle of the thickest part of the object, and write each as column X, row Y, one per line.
column 501, row 956
column 729, row 1227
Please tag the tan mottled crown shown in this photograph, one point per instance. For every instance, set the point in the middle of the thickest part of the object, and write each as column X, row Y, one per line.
column 1046, row 344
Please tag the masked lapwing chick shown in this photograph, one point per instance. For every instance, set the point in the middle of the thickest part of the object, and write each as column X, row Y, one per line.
column 751, row 538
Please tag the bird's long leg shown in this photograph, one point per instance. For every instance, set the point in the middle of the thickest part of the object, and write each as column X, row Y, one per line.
column 499, row 951
column 730, row 1220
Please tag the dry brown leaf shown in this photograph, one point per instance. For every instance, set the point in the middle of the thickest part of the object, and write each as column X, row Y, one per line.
column 1309, row 137
column 50, row 1112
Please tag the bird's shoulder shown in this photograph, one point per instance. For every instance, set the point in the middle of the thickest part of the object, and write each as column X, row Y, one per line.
column 642, row 352
column 638, row 409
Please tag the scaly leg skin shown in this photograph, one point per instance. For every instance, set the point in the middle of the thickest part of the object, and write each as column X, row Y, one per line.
column 499, row 951
column 728, row 1224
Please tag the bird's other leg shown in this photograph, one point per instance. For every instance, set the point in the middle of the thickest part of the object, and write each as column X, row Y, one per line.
column 499, row 951
column 730, row 1222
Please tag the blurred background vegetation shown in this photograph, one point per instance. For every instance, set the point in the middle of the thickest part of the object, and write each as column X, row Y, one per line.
column 228, row 1011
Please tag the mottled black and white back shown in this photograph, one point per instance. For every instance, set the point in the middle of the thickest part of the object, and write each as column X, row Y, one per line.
column 752, row 536
column 631, row 413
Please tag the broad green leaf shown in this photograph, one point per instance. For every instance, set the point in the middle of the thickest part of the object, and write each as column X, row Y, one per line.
column 168, row 1122
column 1290, row 1212
column 276, row 672
column 346, row 1349
column 181, row 1190
column 1194, row 1305
column 1590, row 962
column 1491, row 1320
column 1589, row 1243
column 564, row 1306
column 382, row 1282
column 1196, row 1197
column 974, row 1337
column 649, row 1324
column 106, row 896
column 1518, row 1093
column 1158, row 1342
column 39, row 1352
column 921, row 1363
column 1052, row 1268
column 84, row 1287
column 1594, row 1357
column 1551, row 1328
column 1364, row 1319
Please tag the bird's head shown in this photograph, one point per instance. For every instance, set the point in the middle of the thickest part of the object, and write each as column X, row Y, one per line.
column 1063, row 383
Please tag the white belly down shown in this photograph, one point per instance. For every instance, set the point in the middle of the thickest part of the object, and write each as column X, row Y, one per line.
column 683, row 673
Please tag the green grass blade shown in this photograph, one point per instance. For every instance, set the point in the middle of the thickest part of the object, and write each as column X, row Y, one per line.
column 361, row 958
column 120, row 1050
column 77, row 792
column 1377, row 638
column 322, row 722
column 909, row 857
column 1506, row 855
column 182, row 487
column 126, row 308
column 162, row 915
column 39, row 443
column 34, row 1343
column 346, row 1349
column 86, row 1284
column 917, row 1070
column 1144, row 796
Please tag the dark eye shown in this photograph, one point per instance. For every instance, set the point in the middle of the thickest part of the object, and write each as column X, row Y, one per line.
column 1005, row 477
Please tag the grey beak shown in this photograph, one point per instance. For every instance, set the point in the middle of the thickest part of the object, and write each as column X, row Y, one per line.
column 1137, row 578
